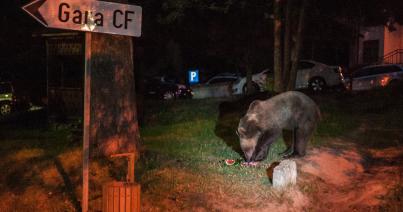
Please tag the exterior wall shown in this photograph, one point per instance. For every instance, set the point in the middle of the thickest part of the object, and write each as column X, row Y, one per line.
column 371, row 33
column 394, row 39
column 389, row 41
column 65, row 75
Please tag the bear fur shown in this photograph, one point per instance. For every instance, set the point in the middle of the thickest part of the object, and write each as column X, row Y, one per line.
column 265, row 120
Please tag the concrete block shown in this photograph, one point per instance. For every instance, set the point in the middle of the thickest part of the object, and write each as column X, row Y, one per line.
column 285, row 174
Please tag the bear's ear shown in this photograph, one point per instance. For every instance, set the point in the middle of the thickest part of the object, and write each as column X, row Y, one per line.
column 254, row 105
column 253, row 118
column 241, row 131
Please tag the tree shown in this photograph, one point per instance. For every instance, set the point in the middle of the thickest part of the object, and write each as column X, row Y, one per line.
column 278, row 57
column 287, row 41
column 113, row 114
column 113, row 100
column 235, row 32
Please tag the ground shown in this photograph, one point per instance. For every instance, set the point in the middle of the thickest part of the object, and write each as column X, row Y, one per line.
column 341, row 179
column 354, row 160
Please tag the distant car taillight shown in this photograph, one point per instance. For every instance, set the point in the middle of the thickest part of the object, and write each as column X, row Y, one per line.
column 348, row 86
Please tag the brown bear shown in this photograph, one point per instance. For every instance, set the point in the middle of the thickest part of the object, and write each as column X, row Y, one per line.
column 265, row 120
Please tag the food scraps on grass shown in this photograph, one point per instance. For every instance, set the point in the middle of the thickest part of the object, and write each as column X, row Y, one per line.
column 250, row 164
column 231, row 162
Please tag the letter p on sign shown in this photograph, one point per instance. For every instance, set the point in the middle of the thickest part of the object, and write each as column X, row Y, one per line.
column 193, row 76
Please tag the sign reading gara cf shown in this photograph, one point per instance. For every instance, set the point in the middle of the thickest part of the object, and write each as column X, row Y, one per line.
column 87, row 15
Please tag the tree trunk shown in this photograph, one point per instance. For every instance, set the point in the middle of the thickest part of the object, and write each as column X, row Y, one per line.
column 287, row 43
column 114, row 127
column 249, row 85
column 297, row 49
column 248, row 69
column 175, row 59
column 278, row 78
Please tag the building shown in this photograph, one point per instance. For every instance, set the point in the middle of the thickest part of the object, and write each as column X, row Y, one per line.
column 65, row 73
column 379, row 44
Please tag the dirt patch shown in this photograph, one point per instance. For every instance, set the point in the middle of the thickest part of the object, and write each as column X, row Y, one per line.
column 34, row 198
column 344, row 179
column 337, row 167
column 330, row 179
column 191, row 192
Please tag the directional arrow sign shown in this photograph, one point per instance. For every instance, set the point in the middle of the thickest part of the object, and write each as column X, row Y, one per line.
column 87, row 15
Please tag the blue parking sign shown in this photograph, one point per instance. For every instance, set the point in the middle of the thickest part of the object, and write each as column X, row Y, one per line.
column 193, row 76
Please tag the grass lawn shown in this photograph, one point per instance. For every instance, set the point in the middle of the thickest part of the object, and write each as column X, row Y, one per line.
column 182, row 164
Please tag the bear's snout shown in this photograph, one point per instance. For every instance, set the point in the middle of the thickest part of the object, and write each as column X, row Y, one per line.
column 248, row 155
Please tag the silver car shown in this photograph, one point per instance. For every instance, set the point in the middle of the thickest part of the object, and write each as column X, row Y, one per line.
column 216, row 87
column 317, row 76
column 259, row 81
column 310, row 74
column 374, row 76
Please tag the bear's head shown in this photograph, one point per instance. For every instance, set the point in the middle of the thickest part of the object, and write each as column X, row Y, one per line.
column 249, row 134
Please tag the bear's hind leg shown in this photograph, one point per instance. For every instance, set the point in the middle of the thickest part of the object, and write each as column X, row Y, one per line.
column 303, row 135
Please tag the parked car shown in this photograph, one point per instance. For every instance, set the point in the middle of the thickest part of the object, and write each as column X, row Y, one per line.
column 310, row 74
column 258, row 83
column 7, row 98
column 166, row 88
column 374, row 76
column 317, row 76
column 217, row 86
column 223, row 78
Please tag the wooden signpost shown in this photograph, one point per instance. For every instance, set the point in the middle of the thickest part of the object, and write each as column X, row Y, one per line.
column 102, row 17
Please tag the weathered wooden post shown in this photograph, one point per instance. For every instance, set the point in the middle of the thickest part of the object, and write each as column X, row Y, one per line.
column 87, row 121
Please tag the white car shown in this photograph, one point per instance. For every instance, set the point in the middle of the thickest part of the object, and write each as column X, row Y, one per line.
column 317, row 76
column 374, row 76
column 222, row 78
column 310, row 74
column 258, row 83
column 216, row 87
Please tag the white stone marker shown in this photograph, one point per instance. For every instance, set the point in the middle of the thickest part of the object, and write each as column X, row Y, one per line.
column 285, row 174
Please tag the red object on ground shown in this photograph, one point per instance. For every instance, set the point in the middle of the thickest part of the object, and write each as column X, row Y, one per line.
column 229, row 162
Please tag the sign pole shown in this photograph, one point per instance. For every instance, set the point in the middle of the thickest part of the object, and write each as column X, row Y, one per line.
column 86, row 136
column 103, row 17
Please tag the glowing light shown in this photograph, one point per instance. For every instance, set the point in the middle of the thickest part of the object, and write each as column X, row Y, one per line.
column 90, row 26
column 385, row 81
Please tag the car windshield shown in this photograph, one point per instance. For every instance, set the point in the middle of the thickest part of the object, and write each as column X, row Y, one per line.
column 5, row 88
column 254, row 72
column 305, row 65
column 220, row 80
